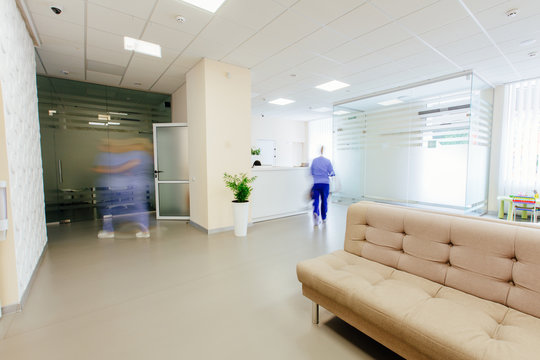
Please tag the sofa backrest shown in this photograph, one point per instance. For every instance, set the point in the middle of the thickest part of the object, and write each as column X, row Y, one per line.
column 490, row 259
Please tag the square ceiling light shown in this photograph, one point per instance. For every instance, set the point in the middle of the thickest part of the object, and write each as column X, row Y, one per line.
column 390, row 102
column 332, row 85
column 143, row 47
column 281, row 101
column 208, row 5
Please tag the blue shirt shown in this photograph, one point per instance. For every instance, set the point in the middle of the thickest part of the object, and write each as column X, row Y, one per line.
column 321, row 169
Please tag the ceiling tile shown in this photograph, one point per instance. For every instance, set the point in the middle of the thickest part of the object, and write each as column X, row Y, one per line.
column 496, row 15
column 323, row 11
column 226, row 32
column 470, row 58
column 398, row 9
column 526, row 26
column 360, row 21
column 168, row 84
column 187, row 60
column 102, row 78
column 147, row 69
column 120, row 58
column 456, row 48
column 104, row 40
column 403, row 49
column 55, row 63
column 424, row 58
column 211, row 49
column 434, row 16
column 139, row 8
column 455, row 31
column 366, row 62
column 242, row 56
column 59, row 29
column 383, row 37
column 61, row 46
column 167, row 37
column 166, row 11
column 114, row 22
column 479, row 5
column 177, row 69
column 72, row 11
column 317, row 65
column 290, row 26
column 322, row 40
column 254, row 14
column 286, row 3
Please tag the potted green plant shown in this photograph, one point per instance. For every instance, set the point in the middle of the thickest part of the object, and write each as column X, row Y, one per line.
column 241, row 188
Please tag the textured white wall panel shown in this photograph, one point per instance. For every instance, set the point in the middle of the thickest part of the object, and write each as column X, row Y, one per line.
column 18, row 78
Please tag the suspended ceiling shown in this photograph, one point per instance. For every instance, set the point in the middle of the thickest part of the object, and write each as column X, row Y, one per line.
column 290, row 45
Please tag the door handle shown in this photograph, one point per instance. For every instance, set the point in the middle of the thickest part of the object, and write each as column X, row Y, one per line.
column 60, row 176
column 157, row 171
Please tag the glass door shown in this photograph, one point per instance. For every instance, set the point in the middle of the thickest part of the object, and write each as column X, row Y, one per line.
column 171, row 175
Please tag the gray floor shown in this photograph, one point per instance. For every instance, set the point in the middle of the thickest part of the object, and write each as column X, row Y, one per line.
column 181, row 295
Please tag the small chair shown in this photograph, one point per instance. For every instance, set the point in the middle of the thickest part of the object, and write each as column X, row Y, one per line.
column 524, row 203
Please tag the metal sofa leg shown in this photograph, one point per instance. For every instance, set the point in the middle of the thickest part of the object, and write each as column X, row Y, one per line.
column 314, row 313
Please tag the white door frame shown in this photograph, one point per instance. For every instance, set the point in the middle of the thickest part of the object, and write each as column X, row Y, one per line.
column 156, row 181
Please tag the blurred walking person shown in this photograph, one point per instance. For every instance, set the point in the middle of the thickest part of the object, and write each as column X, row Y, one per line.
column 321, row 170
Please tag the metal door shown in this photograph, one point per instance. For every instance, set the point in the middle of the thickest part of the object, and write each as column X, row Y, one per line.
column 171, row 175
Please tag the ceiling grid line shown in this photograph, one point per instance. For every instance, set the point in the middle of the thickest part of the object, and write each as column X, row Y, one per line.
column 415, row 35
column 140, row 36
column 178, row 57
column 516, row 72
column 315, row 53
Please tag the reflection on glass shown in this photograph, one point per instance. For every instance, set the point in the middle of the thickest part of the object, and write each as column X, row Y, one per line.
column 424, row 145
column 68, row 114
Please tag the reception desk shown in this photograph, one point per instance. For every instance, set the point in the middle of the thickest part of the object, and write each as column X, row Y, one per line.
column 279, row 192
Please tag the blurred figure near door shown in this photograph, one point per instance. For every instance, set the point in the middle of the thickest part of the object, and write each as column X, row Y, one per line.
column 126, row 166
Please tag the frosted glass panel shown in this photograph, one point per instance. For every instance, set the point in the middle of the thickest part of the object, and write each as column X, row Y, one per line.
column 172, row 143
column 423, row 145
column 173, row 199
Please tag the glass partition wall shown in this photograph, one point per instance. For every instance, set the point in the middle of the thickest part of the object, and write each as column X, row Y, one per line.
column 424, row 145
column 76, row 120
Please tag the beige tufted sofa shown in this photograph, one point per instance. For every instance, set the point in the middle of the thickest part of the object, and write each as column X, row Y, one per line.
column 433, row 286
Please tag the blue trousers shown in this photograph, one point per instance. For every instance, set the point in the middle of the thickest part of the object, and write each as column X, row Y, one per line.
column 320, row 191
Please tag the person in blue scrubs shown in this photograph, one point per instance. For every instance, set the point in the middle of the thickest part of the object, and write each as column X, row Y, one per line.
column 321, row 170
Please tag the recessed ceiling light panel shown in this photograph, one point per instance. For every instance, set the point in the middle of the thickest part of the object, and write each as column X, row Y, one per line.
column 332, row 85
column 208, row 5
column 143, row 47
column 390, row 102
column 341, row 112
column 281, row 101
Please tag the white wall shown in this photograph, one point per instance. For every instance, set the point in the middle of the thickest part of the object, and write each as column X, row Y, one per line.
column 179, row 105
column 218, row 110
column 18, row 80
column 289, row 136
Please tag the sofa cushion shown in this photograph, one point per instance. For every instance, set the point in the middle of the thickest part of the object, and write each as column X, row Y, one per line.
column 494, row 260
column 424, row 313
